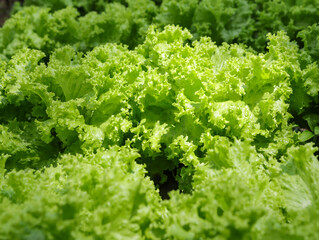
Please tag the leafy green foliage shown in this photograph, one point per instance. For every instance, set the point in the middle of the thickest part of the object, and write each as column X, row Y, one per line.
column 83, row 135
column 244, row 21
column 85, row 24
column 112, row 127
column 39, row 28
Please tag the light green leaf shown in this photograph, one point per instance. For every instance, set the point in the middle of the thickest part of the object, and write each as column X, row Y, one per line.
column 305, row 136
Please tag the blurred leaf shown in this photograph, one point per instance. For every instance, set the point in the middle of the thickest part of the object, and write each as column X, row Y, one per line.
column 312, row 120
column 305, row 136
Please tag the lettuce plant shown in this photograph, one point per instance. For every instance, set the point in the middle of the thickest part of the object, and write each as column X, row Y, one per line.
column 85, row 24
column 171, row 140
